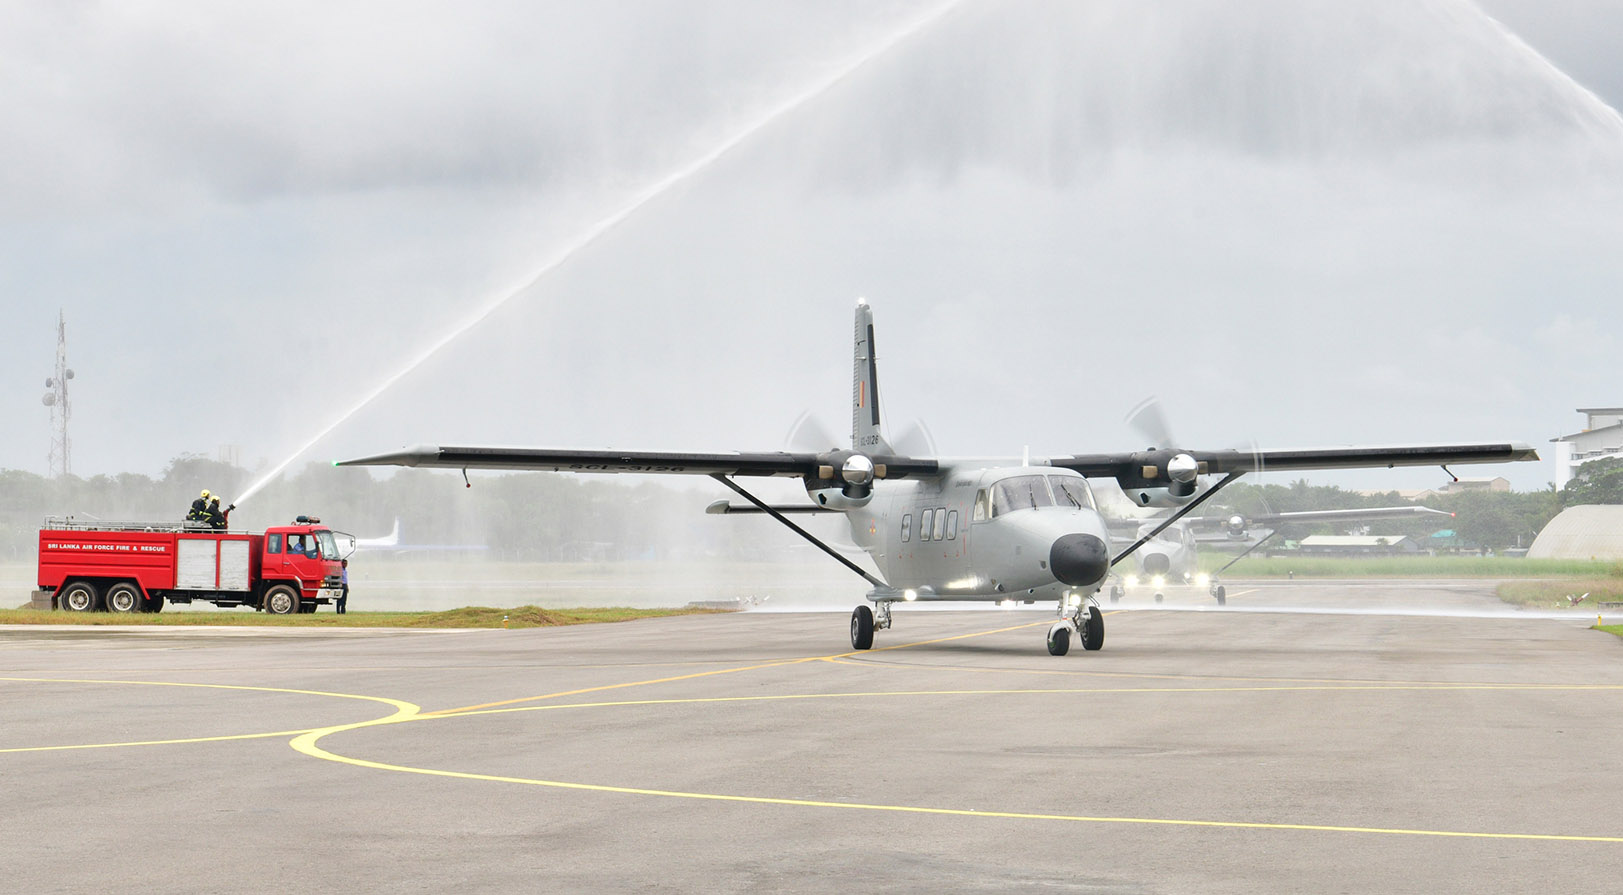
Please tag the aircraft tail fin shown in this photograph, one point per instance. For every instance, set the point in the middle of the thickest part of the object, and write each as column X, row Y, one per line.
column 865, row 433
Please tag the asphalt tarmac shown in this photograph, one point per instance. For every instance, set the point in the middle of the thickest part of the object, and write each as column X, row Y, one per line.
column 1199, row 751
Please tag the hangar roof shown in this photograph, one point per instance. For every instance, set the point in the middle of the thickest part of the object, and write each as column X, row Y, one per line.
column 1586, row 532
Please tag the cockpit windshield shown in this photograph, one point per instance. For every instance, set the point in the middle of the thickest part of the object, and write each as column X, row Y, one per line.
column 1022, row 492
column 1177, row 533
column 1072, row 492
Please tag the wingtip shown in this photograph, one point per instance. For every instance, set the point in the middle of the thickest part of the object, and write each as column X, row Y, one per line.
column 408, row 457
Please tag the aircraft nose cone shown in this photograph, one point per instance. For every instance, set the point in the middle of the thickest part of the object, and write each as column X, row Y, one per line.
column 1079, row 560
column 1157, row 563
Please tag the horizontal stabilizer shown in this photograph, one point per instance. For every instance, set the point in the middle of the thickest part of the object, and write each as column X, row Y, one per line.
column 723, row 508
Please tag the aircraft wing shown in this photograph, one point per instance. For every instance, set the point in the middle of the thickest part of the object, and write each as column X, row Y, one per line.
column 644, row 462
column 1148, row 469
column 1345, row 515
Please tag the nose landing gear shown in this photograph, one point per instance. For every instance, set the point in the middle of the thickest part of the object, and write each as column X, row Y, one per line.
column 1084, row 619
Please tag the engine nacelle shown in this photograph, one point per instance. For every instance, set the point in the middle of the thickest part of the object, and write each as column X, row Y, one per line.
column 844, row 480
column 1155, row 497
column 1161, row 478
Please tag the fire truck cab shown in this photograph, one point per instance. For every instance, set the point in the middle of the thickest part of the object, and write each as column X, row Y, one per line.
column 137, row 567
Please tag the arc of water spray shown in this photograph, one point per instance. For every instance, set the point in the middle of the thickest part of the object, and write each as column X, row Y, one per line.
column 1599, row 110
column 837, row 73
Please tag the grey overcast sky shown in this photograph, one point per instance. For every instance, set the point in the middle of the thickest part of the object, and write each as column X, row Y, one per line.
column 1298, row 222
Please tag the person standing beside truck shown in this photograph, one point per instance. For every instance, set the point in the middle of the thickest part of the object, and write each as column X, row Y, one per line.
column 343, row 595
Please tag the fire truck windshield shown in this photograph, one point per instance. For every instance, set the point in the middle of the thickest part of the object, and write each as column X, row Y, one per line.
column 328, row 544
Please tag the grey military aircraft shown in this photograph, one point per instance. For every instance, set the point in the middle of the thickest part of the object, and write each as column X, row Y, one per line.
column 972, row 530
column 1170, row 556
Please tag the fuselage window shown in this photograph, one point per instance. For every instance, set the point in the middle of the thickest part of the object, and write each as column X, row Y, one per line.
column 1020, row 493
column 941, row 525
column 983, row 504
column 907, row 528
column 952, row 525
column 925, row 521
column 1072, row 492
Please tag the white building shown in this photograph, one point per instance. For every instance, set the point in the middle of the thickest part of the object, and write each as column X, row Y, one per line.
column 1601, row 438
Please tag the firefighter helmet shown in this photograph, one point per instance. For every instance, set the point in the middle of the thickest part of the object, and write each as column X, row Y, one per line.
column 205, row 493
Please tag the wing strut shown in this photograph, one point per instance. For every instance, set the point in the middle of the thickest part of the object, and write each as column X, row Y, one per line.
column 1178, row 515
column 770, row 511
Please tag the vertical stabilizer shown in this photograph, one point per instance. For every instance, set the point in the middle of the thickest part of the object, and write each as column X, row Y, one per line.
column 865, row 435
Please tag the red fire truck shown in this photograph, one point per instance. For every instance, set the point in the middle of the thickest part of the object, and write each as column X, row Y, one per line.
column 134, row 567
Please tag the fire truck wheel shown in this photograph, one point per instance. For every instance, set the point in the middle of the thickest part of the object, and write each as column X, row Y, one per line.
column 154, row 603
column 124, row 597
column 80, row 596
column 281, row 600
column 307, row 606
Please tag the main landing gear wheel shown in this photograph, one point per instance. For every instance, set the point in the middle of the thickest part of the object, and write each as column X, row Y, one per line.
column 861, row 628
column 1160, row 597
column 1221, row 594
column 124, row 597
column 1059, row 639
column 1115, row 594
column 1093, row 630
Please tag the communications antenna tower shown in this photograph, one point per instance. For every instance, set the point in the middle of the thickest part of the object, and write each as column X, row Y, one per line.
column 56, row 398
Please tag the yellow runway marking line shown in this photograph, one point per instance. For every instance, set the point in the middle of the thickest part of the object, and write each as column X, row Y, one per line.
column 307, row 745
column 719, row 671
column 402, row 709
column 219, row 739
column 1059, row 691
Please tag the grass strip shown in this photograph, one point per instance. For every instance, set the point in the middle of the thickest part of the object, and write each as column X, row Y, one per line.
column 1555, row 594
column 466, row 617
column 1412, row 567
